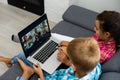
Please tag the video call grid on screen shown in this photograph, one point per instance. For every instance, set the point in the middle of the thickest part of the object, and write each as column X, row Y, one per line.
column 35, row 35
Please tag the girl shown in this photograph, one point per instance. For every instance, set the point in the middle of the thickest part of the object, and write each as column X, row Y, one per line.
column 107, row 29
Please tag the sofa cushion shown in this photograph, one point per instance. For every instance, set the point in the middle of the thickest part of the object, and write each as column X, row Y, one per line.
column 110, row 76
column 112, row 65
column 68, row 29
column 80, row 16
column 13, row 72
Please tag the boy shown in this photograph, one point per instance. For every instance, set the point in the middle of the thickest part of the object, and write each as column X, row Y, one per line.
column 84, row 56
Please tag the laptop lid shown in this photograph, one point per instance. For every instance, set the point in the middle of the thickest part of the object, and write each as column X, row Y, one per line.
column 35, row 35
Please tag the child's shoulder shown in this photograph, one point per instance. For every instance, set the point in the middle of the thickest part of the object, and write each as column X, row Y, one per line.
column 94, row 75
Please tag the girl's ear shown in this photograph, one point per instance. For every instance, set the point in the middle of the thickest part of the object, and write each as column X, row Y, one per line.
column 107, row 34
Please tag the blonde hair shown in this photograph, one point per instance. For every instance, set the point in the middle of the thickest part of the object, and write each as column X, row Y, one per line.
column 84, row 53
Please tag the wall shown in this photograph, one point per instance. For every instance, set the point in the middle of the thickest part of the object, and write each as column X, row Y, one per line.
column 98, row 5
column 55, row 9
column 3, row 1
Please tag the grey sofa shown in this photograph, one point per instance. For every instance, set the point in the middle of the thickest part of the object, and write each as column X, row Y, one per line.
column 77, row 22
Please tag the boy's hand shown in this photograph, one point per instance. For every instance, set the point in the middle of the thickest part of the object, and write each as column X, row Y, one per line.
column 62, row 56
column 38, row 71
column 64, row 43
column 27, row 70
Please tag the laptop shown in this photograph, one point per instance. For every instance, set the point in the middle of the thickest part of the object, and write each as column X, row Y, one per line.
column 39, row 45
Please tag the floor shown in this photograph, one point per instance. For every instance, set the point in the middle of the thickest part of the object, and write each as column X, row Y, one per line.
column 12, row 20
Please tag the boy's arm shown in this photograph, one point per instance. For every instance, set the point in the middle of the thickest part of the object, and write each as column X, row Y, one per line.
column 39, row 71
column 20, row 78
column 27, row 71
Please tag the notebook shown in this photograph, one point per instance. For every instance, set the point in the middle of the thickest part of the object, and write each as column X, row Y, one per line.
column 39, row 45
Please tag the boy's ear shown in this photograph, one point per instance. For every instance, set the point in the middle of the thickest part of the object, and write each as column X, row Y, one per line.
column 73, row 67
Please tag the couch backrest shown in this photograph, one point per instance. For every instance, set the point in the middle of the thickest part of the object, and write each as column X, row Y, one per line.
column 112, row 65
column 80, row 16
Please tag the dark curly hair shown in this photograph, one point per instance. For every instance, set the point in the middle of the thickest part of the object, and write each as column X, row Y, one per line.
column 110, row 22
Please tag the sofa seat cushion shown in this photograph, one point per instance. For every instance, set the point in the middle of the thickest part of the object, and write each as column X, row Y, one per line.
column 68, row 29
column 110, row 76
column 13, row 72
column 80, row 16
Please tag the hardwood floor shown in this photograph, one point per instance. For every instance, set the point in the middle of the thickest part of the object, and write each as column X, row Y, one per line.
column 12, row 20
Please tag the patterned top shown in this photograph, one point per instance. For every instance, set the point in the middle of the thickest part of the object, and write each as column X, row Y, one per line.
column 107, row 50
column 68, row 74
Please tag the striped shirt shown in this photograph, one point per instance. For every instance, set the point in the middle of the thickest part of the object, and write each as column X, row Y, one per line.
column 107, row 50
column 68, row 74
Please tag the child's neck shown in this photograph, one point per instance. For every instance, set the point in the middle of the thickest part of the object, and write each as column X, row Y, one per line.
column 80, row 74
column 108, row 40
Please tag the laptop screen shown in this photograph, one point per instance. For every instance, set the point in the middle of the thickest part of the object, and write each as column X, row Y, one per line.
column 34, row 35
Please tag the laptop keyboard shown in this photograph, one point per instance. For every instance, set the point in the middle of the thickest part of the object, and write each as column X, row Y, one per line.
column 46, row 52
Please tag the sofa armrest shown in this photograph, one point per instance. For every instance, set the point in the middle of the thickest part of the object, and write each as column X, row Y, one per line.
column 80, row 16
